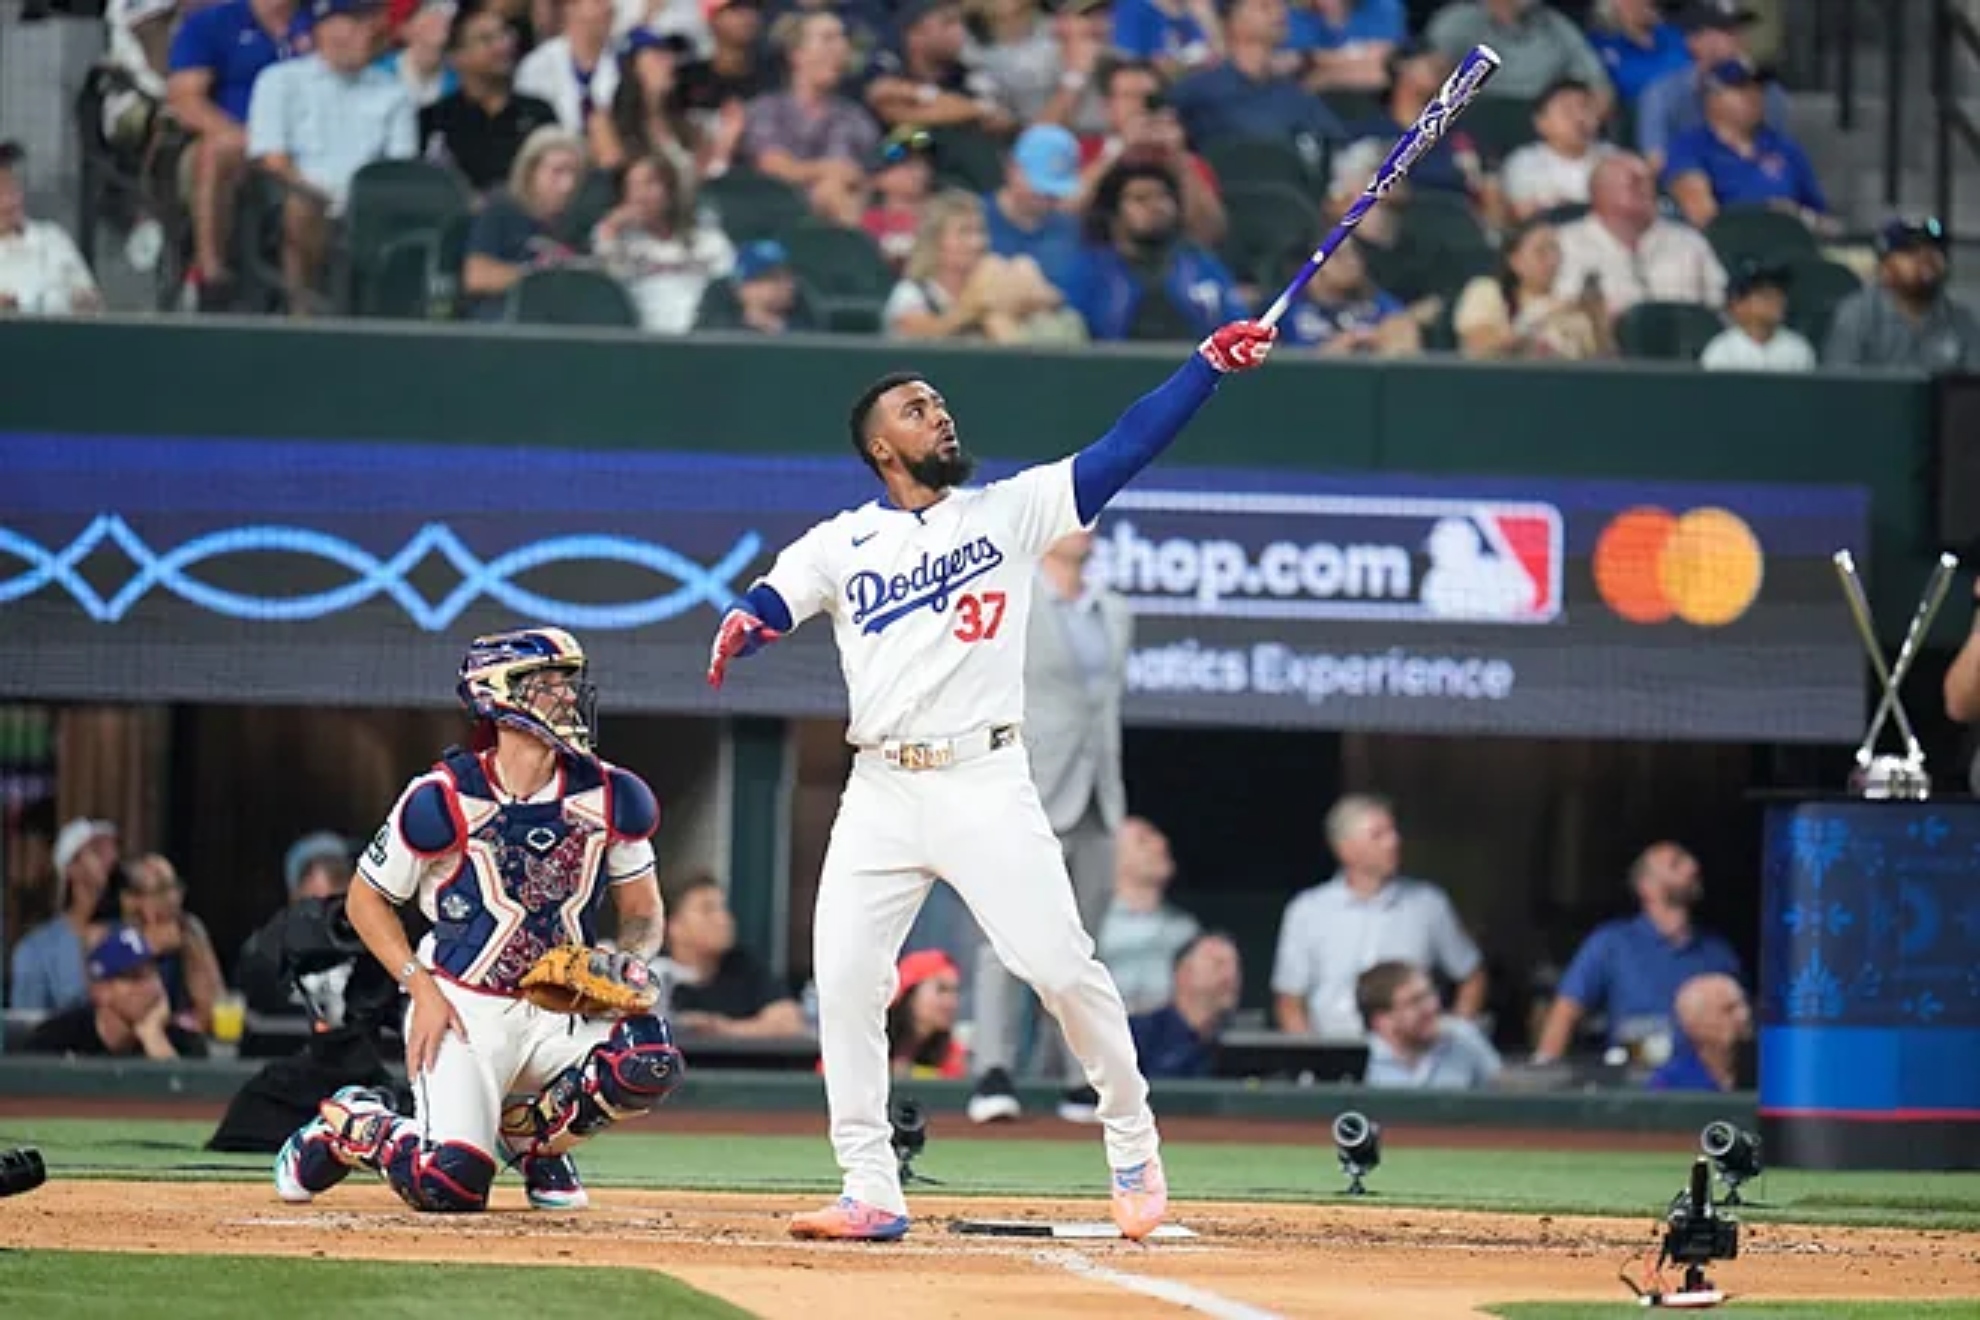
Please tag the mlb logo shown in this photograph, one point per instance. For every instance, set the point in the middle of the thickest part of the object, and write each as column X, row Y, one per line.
column 1496, row 563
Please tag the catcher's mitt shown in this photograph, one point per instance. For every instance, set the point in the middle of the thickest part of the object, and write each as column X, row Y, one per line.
column 590, row 982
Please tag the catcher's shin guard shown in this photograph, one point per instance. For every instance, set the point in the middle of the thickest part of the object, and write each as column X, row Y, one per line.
column 630, row 1072
column 450, row 1178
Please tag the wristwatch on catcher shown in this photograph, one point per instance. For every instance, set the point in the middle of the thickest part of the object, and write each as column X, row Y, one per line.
column 407, row 972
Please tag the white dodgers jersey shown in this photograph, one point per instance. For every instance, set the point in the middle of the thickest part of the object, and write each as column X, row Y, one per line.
column 929, row 608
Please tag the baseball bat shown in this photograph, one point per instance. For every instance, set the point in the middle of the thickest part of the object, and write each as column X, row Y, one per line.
column 1458, row 91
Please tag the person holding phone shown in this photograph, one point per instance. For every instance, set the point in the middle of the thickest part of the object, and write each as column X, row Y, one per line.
column 1516, row 313
column 1142, row 125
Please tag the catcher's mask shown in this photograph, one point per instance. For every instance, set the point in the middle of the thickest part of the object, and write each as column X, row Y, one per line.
column 534, row 680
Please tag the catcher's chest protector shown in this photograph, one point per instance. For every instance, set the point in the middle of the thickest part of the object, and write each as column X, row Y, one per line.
column 531, row 875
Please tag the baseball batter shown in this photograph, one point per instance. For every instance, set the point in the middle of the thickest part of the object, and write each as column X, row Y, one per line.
column 928, row 589
column 511, row 849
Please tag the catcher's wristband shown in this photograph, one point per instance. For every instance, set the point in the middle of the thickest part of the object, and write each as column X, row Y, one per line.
column 410, row 970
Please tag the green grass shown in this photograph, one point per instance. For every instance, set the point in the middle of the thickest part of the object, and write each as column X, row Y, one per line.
column 1914, row 1310
column 1630, row 1184
column 59, row 1285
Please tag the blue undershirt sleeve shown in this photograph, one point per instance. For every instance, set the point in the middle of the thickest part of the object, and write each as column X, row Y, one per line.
column 1102, row 468
column 763, row 601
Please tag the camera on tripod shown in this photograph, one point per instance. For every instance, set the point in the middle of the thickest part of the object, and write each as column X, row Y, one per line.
column 1696, row 1233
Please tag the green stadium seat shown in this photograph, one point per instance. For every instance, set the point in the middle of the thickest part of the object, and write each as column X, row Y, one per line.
column 836, row 263
column 1816, row 288
column 753, row 206
column 443, row 272
column 1498, row 124
column 1667, row 332
column 596, row 197
column 1273, row 227
column 1759, row 231
column 1352, row 108
column 1241, row 162
column 571, row 295
column 398, row 287
column 967, row 159
column 389, row 201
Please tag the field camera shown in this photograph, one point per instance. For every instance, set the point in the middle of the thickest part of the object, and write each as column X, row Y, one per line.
column 1734, row 1152
column 1358, row 1143
column 1695, row 1235
column 910, row 1124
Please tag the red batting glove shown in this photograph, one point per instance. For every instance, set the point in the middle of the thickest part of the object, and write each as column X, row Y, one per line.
column 741, row 633
column 1239, row 346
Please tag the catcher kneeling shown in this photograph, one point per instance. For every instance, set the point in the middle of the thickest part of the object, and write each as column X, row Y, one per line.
column 522, row 1037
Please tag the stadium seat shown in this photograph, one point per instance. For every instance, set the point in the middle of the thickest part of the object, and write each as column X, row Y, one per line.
column 1816, row 287
column 967, row 159
column 1667, row 331
column 443, row 272
column 392, row 200
column 837, row 262
column 571, row 295
column 1243, row 162
column 1498, row 124
column 1439, row 247
column 596, row 197
column 399, row 286
column 752, row 206
column 1759, row 231
column 1353, row 108
column 1273, row 226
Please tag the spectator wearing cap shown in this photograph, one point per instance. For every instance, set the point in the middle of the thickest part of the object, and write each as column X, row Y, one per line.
column 1714, row 32
column 517, row 231
column 1412, row 1045
column 1344, row 314
column 1142, row 127
column 1735, row 159
column 654, row 244
column 1180, row 1038
column 1175, row 36
column 217, row 56
column 41, row 272
column 1044, row 68
column 1554, row 170
column 1452, row 166
column 1906, row 318
column 152, row 902
column 807, row 134
column 927, row 80
column 644, row 117
column 1245, row 96
column 576, row 71
column 1637, row 46
column 1031, row 214
column 48, row 964
column 126, row 1013
column 1758, row 338
column 1138, row 277
column 955, row 287
column 1347, row 43
column 480, row 127
column 313, row 123
column 1538, row 44
column 1630, row 254
column 921, row 1020
column 318, row 865
column 760, row 296
column 715, row 90
column 420, row 58
column 902, row 179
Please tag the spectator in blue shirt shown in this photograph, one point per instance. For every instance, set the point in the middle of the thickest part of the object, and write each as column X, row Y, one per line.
column 1174, row 35
column 1180, row 1038
column 1631, row 968
column 1713, row 1022
column 1714, row 32
column 1347, row 42
column 1138, row 278
column 48, row 974
column 1735, row 159
column 216, row 58
column 1412, row 1043
column 1344, row 314
column 1028, row 216
column 1245, row 96
column 1638, row 47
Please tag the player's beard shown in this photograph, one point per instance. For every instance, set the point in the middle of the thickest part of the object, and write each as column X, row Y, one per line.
column 939, row 471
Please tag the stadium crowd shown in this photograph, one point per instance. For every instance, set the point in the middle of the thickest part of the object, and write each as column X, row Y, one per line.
column 1101, row 170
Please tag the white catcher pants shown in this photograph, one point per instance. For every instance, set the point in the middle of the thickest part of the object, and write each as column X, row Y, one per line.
column 980, row 827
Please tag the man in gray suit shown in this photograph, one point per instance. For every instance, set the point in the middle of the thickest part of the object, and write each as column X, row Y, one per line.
column 1075, row 672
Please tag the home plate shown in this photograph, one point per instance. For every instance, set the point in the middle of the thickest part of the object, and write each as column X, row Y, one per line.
column 1032, row 1228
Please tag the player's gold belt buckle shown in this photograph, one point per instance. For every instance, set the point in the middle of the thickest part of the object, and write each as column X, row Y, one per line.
column 940, row 755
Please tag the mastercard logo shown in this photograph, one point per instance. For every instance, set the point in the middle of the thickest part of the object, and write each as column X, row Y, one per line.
column 1704, row 567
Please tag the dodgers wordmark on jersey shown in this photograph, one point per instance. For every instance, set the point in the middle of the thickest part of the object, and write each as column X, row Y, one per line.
column 929, row 608
column 505, row 880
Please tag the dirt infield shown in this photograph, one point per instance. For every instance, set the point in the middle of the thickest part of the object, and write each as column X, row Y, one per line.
column 1248, row 1262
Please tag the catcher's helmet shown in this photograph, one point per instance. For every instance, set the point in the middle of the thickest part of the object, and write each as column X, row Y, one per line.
column 502, row 682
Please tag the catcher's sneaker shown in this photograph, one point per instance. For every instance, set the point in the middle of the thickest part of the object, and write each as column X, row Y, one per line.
column 551, row 1183
column 1141, row 1198
column 848, row 1220
column 307, row 1166
column 360, row 1121
column 994, row 1100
